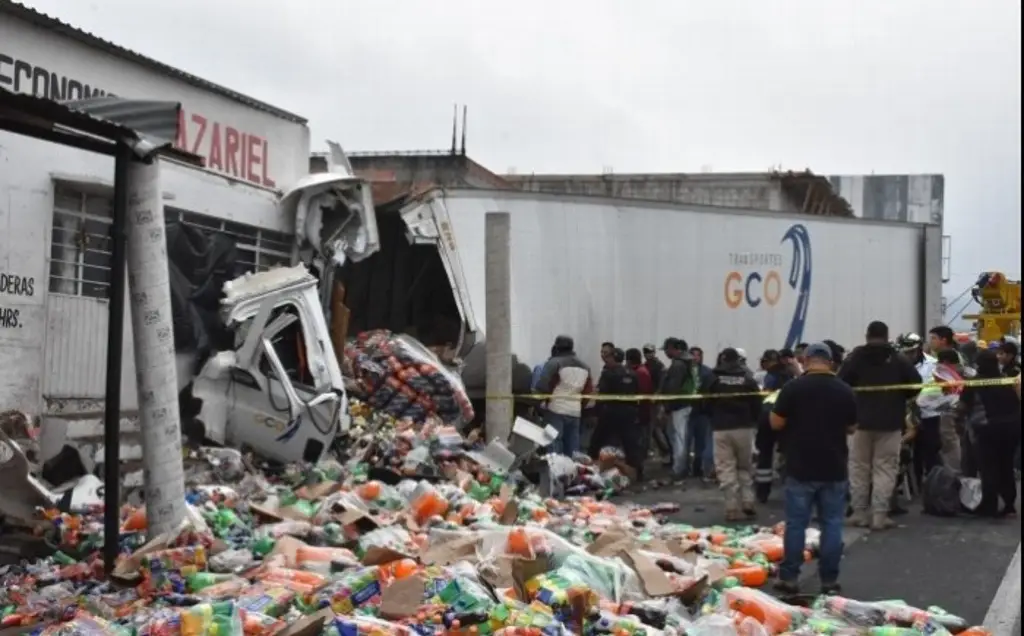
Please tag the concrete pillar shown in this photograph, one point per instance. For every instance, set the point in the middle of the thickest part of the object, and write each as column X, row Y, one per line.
column 498, row 279
column 153, row 337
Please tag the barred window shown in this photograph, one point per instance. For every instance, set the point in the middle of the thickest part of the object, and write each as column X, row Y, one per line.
column 80, row 249
column 258, row 249
column 80, row 244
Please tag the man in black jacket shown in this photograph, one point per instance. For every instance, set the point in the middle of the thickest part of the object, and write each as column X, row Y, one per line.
column 733, row 420
column 777, row 375
column 617, row 418
column 875, row 447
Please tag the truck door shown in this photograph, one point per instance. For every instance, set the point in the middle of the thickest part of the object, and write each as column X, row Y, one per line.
column 428, row 223
column 280, row 407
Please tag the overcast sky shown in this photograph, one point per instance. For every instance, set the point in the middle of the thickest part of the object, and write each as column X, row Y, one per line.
column 840, row 87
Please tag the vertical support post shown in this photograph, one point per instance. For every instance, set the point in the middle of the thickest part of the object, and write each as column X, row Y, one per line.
column 115, row 341
column 153, row 336
column 498, row 303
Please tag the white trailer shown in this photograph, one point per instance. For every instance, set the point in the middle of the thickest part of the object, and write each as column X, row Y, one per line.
column 633, row 272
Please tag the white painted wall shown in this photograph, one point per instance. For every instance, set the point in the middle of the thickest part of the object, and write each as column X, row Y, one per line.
column 36, row 60
column 60, row 340
column 54, row 345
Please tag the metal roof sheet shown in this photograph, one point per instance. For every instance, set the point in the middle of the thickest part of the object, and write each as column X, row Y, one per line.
column 146, row 125
column 57, row 25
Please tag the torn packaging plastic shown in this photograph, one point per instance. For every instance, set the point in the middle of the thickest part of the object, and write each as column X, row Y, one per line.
column 402, row 378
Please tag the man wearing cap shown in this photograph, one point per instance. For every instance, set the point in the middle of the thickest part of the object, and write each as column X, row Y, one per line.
column 654, row 366
column 817, row 411
column 617, row 419
column 927, row 438
column 881, row 414
column 735, row 406
column 680, row 381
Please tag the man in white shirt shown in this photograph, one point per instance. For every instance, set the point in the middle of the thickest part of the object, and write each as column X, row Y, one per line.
column 928, row 440
column 566, row 379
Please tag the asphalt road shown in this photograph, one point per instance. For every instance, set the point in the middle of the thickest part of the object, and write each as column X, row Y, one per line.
column 956, row 564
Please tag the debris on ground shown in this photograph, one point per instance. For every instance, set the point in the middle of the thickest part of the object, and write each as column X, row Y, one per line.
column 414, row 530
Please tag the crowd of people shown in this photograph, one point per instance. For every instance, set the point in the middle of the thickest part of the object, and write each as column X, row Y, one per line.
column 843, row 429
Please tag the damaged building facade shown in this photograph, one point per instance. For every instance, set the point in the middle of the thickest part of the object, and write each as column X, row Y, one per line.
column 55, row 210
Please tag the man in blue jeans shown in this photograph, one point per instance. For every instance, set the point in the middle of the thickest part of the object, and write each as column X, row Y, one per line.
column 567, row 380
column 817, row 411
column 699, row 439
column 681, row 382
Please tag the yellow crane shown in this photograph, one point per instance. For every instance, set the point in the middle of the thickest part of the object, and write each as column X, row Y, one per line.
column 999, row 298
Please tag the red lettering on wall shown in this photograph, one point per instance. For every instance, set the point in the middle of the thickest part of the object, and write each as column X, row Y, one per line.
column 231, row 150
column 200, row 123
column 215, row 162
column 226, row 149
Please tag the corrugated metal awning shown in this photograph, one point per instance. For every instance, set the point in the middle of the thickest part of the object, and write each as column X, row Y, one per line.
column 97, row 124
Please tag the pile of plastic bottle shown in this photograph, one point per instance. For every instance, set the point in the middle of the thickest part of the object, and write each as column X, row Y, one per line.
column 411, row 449
column 369, row 558
column 445, row 545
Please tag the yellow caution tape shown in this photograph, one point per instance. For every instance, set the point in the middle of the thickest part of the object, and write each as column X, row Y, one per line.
column 712, row 396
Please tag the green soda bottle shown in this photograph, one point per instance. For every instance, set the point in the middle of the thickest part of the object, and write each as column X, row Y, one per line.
column 203, row 580
column 263, row 546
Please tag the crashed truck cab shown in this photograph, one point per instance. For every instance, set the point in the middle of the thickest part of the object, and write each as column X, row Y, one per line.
column 279, row 391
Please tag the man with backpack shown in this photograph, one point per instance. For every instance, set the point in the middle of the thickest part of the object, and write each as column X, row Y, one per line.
column 875, row 448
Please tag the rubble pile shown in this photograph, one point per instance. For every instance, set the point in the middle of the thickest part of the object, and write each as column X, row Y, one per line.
column 414, row 530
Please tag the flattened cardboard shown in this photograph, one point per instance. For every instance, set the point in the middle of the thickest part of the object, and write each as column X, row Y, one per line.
column 128, row 569
column 682, row 548
column 651, row 576
column 359, row 518
column 318, row 491
column 381, row 556
column 450, row 552
column 287, row 547
column 658, row 545
column 310, row 625
column 402, row 598
column 525, row 569
column 497, row 573
column 610, row 543
column 510, row 513
column 695, row 592
column 272, row 509
column 267, row 509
